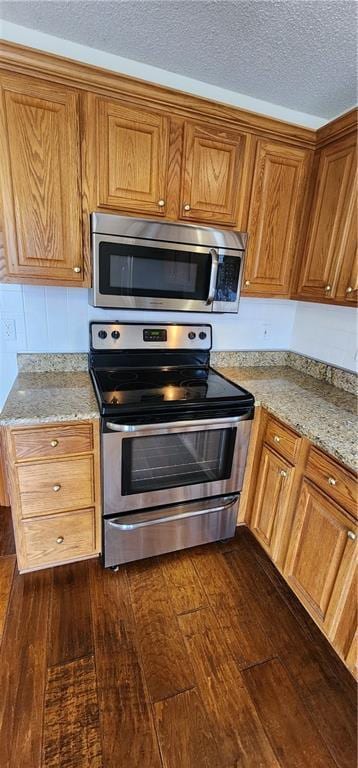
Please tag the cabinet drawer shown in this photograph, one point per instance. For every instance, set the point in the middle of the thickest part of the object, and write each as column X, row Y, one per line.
column 55, row 539
column 55, row 486
column 337, row 482
column 50, row 442
column 282, row 439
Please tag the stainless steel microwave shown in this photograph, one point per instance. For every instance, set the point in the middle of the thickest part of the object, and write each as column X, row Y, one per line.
column 147, row 264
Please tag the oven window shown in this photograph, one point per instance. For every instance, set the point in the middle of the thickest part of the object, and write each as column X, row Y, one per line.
column 136, row 270
column 167, row 461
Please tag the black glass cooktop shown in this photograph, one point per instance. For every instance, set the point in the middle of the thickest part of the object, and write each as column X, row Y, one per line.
column 124, row 387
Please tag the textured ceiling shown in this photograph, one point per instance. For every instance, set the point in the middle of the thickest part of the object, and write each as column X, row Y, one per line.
column 300, row 54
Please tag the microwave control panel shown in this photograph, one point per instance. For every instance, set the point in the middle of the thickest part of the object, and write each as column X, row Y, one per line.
column 228, row 279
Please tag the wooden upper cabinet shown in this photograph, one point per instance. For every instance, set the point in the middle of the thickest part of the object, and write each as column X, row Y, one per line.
column 132, row 150
column 331, row 240
column 279, row 184
column 40, row 188
column 347, row 286
column 320, row 553
column 273, row 490
column 212, row 171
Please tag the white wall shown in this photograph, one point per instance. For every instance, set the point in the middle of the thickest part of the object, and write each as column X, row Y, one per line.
column 328, row 333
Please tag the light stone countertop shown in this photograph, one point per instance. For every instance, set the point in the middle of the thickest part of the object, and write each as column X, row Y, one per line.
column 41, row 398
column 323, row 413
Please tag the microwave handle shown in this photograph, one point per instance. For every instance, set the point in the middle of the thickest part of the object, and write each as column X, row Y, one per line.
column 214, row 274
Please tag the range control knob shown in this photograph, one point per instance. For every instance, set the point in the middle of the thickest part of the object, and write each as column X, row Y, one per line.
column 115, row 334
column 102, row 334
column 202, row 335
column 191, row 335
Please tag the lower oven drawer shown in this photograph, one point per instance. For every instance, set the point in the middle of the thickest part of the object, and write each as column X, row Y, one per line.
column 145, row 534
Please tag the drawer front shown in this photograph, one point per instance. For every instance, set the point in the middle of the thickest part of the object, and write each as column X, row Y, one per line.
column 50, row 442
column 55, row 486
column 282, row 439
column 52, row 540
column 337, row 482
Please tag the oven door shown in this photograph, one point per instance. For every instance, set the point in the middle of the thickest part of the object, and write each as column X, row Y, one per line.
column 150, row 465
column 134, row 273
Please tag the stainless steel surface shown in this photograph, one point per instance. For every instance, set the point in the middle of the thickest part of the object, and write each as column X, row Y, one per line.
column 214, row 273
column 115, row 501
column 168, row 530
column 131, row 336
column 166, row 231
column 171, row 425
column 163, row 235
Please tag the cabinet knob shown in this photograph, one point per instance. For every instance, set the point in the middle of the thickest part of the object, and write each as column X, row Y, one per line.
column 54, row 443
column 77, row 270
column 161, row 203
column 332, row 481
column 328, row 288
column 247, row 282
column 351, row 535
column 276, row 439
column 59, row 540
column 187, row 207
column 349, row 289
column 56, row 487
column 283, row 473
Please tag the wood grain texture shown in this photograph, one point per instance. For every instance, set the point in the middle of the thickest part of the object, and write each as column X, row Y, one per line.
column 280, row 176
column 128, row 735
column 56, row 538
column 273, row 490
column 322, row 468
column 233, row 719
column 33, row 443
column 295, row 740
column 71, row 718
column 70, row 628
column 73, row 479
column 7, row 542
column 183, row 587
column 4, row 496
column 7, row 567
column 23, row 671
column 347, row 285
column 282, row 439
column 168, row 668
column 39, row 160
column 185, row 735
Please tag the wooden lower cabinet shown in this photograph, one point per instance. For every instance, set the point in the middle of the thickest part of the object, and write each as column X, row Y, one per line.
column 274, row 484
column 54, row 486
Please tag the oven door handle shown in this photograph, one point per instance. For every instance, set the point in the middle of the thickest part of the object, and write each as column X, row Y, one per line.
column 225, row 421
column 168, row 518
column 213, row 276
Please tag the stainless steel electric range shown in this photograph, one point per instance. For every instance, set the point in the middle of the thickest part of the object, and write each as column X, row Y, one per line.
column 174, row 439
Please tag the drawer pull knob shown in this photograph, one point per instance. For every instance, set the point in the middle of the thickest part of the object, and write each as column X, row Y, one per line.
column 161, row 203
column 77, row 270
column 59, row 540
column 187, row 207
column 332, row 481
column 277, row 439
column 328, row 288
column 349, row 289
column 54, row 443
column 56, row 487
column 351, row 535
column 247, row 283
column 283, row 473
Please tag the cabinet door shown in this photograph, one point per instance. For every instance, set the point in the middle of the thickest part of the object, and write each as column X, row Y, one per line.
column 280, row 175
column 347, row 288
column 271, row 500
column 325, row 248
column 211, row 174
column 132, row 146
column 342, row 615
column 40, row 180
column 320, row 546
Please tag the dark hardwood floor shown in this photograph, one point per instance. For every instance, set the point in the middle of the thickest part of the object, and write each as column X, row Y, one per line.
column 202, row 659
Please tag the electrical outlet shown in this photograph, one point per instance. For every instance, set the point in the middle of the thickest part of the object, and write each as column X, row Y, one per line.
column 8, row 329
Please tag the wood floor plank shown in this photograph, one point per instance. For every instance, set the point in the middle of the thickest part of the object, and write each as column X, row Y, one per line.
column 70, row 631
column 71, row 717
column 182, row 582
column 285, row 718
column 7, row 541
column 328, row 692
column 234, row 722
column 239, row 619
column 23, row 670
column 185, row 734
column 128, row 734
column 165, row 660
column 7, row 567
